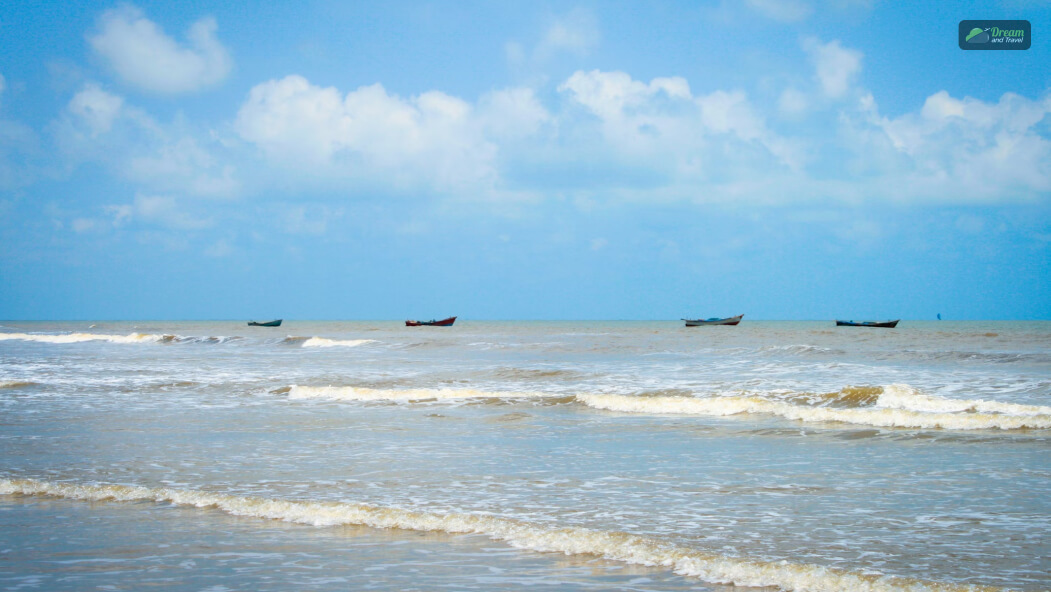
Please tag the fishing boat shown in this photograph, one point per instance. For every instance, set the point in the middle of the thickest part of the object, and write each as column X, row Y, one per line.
column 276, row 323
column 885, row 324
column 432, row 323
column 713, row 321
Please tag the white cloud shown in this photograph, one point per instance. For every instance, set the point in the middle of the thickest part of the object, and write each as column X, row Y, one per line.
column 99, row 126
column 612, row 94
column 663, row 120
column 181, row 164
column 836, row 66
column 144, row 56
column 604, row 135
column 970, row 150
column 96, row 108
column 432, row 139
column 512, row 113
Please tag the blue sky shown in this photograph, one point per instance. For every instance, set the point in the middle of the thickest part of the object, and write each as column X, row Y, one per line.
column 785, row 159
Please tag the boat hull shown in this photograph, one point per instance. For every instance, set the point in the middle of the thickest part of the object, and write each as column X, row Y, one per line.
column 442, row 323
column 704, row 322
column 883, row 324
column 276, row 323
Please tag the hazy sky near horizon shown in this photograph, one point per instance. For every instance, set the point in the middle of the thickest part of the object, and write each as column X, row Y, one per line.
column 785, row 159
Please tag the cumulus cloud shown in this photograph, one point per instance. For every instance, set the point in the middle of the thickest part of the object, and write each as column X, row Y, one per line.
column 602, row 135
column 836, row 66
column 434, row 138
column 969, row 149
column 664, row 119
column 512, row 113
column 144, row 56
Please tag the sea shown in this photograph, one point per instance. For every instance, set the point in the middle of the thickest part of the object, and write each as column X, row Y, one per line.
column 525, row 455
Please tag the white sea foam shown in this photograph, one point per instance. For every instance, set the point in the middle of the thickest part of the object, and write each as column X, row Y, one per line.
column 324, row 342
column 612, row 545
column 901, row 396
column 80, row 337
column 912, row 410
column 895, row 405
column 352, row 393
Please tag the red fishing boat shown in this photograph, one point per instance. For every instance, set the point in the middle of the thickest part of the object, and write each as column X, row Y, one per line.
column 432, row 323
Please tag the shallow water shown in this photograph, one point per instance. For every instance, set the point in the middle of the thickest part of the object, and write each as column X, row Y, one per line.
column 567, row 454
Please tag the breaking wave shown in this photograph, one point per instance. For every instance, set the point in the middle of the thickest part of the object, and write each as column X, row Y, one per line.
column 80, row 337
column 801, row 350
column 208, row 340
column 898, row 406
column 892, row 406
column 611, row 545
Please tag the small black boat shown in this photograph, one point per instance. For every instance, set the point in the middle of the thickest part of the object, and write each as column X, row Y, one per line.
column 885, row 324
column 276, row 323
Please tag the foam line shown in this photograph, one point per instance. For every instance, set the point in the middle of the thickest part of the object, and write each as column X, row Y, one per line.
column 612, row 545
column 80, row 337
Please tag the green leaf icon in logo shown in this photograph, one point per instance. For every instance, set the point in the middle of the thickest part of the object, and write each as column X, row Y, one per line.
column 977, row 36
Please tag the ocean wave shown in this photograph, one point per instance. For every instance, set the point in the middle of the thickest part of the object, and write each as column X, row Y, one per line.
column 896, row 406
column 612, row 545
column 891, row 406
column 850, row 396
column 801, row 350
column 900, row 396
column 353, row 393
column 324, row 342
column 535, row 373
column 81, row 337
column 10, row 384
column 214, row 340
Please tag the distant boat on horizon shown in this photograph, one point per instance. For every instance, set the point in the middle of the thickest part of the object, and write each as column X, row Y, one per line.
column 884, row 324
column 276, row 323
column 432, row 323
column 713, row 321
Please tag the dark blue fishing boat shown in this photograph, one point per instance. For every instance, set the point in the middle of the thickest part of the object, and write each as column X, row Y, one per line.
column 885, row 324
column 276, row 323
